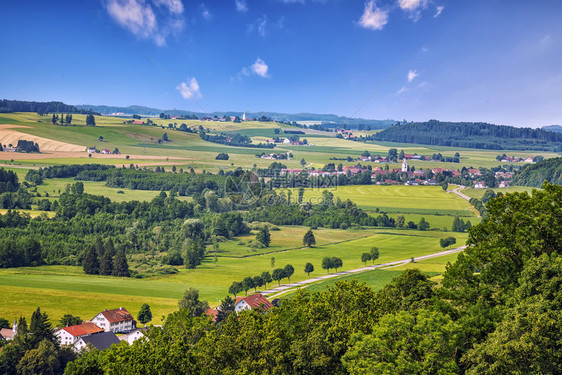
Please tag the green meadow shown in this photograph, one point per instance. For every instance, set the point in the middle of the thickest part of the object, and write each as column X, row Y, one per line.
column 64, row 289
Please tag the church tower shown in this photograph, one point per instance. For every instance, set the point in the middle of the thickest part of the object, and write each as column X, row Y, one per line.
column 404, row 165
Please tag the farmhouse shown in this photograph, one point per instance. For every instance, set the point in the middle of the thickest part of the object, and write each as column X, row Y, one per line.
column 255, row 301
column 99, row 341
column 69, row 335
column 106, row 151
column 91, row 150
column 117, row 320
column 7, row 333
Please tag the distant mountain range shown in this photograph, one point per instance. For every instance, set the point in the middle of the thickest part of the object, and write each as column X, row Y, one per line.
column 553, row 128
column 298, row 117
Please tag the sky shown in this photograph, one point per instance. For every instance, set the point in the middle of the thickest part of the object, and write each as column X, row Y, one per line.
column 415, row 60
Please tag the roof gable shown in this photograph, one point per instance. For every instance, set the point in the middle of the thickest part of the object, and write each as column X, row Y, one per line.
column 101, row 340
column 83, row 329
column 117, row 315
column 256, row 301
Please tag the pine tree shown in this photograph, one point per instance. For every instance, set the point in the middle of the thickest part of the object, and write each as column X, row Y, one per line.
column 145, row 315
column 106, row 264
column 40, row 328
column 120, row 265
column 109, row 246
column 91, row 262
column 226, row 308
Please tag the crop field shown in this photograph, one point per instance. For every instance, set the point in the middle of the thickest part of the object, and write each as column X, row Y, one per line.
column 397, row 199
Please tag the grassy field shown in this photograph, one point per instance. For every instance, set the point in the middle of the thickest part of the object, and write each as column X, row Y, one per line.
column 479, row 193
column 141, row 143
column 376, row 279
column 62, row 289
column 397, row 199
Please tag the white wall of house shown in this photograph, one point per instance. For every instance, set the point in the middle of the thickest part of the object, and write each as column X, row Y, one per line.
column 241, row 305
column 65, row 338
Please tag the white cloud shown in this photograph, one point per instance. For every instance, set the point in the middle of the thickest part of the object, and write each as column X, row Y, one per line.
column 139, row 18
column 292, row 1
column 174, row 6
column 260, row 68
column 205, row 12
column 412, row 75
column 260, row 25
column 413, row 8
column 411, row 5
column 191, row 90
column 373, row 18
column 241, row 5
column 402, row 90
column 438, row 11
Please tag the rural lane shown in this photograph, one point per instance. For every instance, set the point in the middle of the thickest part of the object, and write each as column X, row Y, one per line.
column 458, row 192
column 284, row 287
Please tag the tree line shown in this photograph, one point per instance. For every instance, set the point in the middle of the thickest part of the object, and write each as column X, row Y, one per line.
column 472, row 135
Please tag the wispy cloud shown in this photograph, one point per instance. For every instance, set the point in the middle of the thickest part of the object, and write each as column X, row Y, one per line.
column 205, row 12
column 402, row 90
column 173, row 6
column 190, row 91
column 259, row 25
column 241, row 5
column 373, row 18
column 139, row 18
column 438, row 11
column 412, row 75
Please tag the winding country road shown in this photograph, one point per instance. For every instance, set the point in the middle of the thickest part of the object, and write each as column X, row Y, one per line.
column 458, row 192
column 285, row 287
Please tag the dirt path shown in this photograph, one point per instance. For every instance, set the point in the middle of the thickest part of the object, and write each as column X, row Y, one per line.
column 274, row 292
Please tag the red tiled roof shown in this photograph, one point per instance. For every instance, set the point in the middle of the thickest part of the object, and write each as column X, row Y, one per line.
column 257, row 301
column 213, row 313
column 117, row 315
column 83, row 329
column 6, row 332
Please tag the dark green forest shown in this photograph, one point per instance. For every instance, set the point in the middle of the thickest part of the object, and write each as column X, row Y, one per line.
column 7, row 106
column 471, row 135
column 535, row 174
column 498, row 310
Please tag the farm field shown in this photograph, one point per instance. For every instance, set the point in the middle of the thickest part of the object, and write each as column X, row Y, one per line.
column 479, row 193
column 397, row 199
column 48, row 285
column 188, row 150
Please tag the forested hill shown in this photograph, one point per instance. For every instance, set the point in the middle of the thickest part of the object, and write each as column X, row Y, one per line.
column 534, row 175
column 472, row 135
column 8, row 106
column 553, row 128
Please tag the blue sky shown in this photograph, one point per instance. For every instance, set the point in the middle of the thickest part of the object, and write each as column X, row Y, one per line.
column 481, row 60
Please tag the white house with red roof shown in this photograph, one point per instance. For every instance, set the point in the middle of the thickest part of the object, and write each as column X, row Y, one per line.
column 255, row 301
column 7, row 333
column 116, row 320
column 69, row 335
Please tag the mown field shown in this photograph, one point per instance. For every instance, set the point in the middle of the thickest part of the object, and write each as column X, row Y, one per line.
column 63, row 289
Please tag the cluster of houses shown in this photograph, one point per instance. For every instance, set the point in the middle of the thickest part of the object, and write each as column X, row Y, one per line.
column 346, row 134
column 100, row 332
column 415, row 177
column 287, row 141
column 509, row 159
column 255, row 301
column 106, row 151
column 281, row 156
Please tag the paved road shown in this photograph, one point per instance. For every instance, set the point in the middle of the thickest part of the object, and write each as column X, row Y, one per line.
column 284, row 287
column 458, row 192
